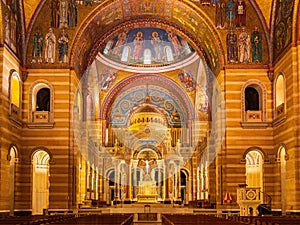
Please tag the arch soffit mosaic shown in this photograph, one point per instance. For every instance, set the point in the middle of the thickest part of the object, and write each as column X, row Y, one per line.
column 158, row 81
column 109, row 18
column 264, row 8
column 90, row 25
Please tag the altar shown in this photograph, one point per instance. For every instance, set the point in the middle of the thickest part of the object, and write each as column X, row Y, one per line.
column 147, row 191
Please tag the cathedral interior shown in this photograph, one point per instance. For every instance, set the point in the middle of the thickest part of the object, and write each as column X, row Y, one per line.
column 110, row 103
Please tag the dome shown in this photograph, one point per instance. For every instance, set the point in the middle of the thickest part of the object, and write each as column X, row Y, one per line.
column 148, row 47
column 149, row 124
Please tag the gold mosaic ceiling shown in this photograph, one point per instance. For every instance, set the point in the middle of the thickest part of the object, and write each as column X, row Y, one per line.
column 31, row 5
column 190, row 18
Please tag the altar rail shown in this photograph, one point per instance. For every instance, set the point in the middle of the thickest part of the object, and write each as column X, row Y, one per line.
column 189, row 219
column 267, row 220
column 37, row 220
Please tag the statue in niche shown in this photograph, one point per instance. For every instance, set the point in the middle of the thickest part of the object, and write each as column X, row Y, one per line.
column 240, row 10
column 231, row 41
column 37, row 46
column 50, row 42
column 63, row 41
column 256, row 41
column 54, row 13
column 244, row 44
column 220, row 14
column 72, row 14
column 63, row 14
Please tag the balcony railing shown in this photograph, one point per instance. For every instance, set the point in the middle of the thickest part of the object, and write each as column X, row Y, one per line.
column 253, row 116
column 40, row 117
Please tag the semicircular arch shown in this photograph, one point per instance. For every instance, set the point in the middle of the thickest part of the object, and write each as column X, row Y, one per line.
column 197, row 28
column 156, row 80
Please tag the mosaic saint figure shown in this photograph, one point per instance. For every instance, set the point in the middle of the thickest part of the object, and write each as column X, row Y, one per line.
column 50, row 42
column 175, row 42
column 240, row 10
column 244, row 45
column 187, row 80
column 63, row 41
column 72, row 14
column 138, row 43
column 230, row 12
column 63, row 13
column 108, row 78
column 231, row 41
column 220, row 14
column 13, row 24
column 54, row 13
column 256, row 41
column 156, row 42
column 7, row 27
column 37, row 46
column 122, row 38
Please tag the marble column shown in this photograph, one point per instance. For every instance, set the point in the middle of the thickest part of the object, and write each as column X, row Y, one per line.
column 134, row 164
column 128, row 181
column 160, row 180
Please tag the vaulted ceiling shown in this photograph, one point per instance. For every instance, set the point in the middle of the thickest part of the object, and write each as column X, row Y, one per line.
column 102, row 20
column 265, row 6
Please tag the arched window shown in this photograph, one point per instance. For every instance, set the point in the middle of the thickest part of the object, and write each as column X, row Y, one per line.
column 253, row 96
column 254, row 169
column 125, row 54
column 12, row 157
column 186, row 47
column 43, row 100
column 147, row 56
column 15, row 89
column 15, row 95
column 279, row 96
column 282, row 156
column 183, row 186
column 251, row 99
column 183, row 178
column 169, row 54
column 108, row 47
column 111, row 185
column 41, row 105
column 40, row 181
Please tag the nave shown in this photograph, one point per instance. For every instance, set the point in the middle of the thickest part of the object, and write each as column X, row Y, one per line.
column 146, row 214
column 164, row 219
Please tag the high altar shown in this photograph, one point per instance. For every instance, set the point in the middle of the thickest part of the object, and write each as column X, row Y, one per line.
column 147, row 191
